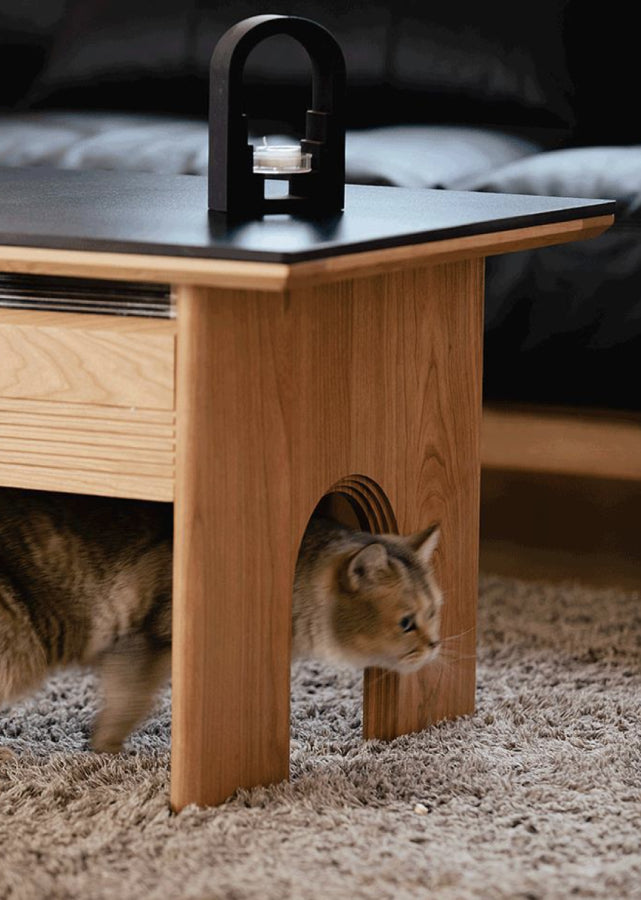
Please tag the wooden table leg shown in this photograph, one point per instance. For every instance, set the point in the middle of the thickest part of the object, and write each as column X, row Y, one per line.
column 279, row 397
column 389, row 375
column 233, row 566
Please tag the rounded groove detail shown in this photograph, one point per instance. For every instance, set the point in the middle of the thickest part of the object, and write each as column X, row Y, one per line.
column 368, row 501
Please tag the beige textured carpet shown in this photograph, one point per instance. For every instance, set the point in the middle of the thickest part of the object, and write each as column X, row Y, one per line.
column 538, row 795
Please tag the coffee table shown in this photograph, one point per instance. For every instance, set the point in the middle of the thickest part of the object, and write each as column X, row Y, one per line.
column 333, row 362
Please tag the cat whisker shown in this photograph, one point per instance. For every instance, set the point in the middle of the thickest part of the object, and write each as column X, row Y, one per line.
column 450, row 661
column 374, row 682
column 439, row 665
column 447, row 665
column 383, row 673
column 447, row 657
column 455, row 637
column 450, row 651
column 430, row 663
column 453, row 648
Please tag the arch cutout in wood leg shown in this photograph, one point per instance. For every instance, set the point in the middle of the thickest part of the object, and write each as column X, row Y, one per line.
column 358, row 502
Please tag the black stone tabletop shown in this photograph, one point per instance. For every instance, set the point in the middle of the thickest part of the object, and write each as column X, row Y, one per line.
column 132, row 212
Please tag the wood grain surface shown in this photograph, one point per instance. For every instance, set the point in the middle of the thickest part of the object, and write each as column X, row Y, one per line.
column 426, row 457
column 362, row 370
column 279, row 397
column 263, row 276
column 372, row 262
column 87, row 403
column 87, row 449
column 565, row 441
column 92, row 359
column 232, row 560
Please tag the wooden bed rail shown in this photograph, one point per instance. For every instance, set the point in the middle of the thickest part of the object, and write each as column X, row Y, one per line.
column 570, row 441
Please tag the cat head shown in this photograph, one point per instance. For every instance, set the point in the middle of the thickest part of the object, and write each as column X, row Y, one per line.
column 387, row 604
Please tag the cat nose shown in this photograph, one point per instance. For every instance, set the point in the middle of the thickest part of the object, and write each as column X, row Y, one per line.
column 433, row 644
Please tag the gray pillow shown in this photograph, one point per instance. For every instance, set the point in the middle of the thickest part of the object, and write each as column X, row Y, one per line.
column 430, row 156
column 419, row 156
column 609, row 173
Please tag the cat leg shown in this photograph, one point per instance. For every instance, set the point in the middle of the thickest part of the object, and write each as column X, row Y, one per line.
column 23, row 661
column 130, row 674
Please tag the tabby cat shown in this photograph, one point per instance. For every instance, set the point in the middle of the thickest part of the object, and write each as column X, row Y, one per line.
column 87, row 580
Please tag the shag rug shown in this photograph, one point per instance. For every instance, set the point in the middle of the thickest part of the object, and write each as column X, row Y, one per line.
column 537, row 795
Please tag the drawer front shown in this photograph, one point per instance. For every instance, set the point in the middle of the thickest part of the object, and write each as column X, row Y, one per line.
column 78, row 358
column 87, row 403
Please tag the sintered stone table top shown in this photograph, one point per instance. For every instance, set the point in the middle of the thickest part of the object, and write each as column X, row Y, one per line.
column 132, row 212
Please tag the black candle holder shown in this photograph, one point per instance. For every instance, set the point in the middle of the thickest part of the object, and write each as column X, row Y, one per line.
column 236, row 184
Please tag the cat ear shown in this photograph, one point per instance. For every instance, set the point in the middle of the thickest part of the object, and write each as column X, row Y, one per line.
column 424, row 543
column 365, row 565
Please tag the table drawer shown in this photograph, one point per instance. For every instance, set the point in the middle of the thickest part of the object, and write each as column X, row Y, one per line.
column 87, row 403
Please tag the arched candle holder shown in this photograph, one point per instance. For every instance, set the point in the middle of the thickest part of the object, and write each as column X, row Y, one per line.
column 315, row 169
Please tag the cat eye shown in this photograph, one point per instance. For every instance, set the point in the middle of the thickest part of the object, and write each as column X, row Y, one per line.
column 407, row 624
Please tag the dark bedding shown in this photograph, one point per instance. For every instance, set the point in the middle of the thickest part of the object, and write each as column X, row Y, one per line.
column 524, row 98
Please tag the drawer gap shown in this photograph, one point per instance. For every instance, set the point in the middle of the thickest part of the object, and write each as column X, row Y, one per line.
column 86, row 295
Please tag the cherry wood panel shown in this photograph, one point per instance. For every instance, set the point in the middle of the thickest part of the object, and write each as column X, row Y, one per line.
column 280, row 396
column 233, row 545
column 564, row 441
column 266, row 276
column 82, row 358
column 360, row 265
column 435, row 358
column 87, row 448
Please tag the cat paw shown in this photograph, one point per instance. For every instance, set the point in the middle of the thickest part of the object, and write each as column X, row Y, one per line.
column 105, row 745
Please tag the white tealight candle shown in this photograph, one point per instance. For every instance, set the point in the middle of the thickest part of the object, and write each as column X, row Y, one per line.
column 281, row 158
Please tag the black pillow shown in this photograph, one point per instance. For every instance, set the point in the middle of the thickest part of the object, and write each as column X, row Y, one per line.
column 25, row 36
column 493, row 61
column 278, row 71
column 361, row 28
column 123, row 54
column 462, row 61
column 130, row 54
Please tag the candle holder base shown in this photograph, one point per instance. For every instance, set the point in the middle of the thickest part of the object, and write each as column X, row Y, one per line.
column 317, row 183
column 282, row 171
